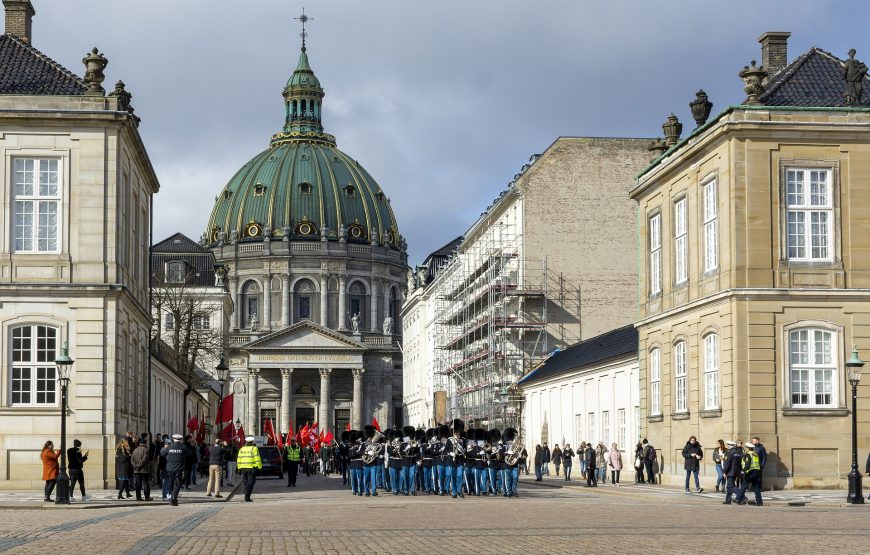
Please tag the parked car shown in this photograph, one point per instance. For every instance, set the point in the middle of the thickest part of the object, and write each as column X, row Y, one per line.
column 273, row 463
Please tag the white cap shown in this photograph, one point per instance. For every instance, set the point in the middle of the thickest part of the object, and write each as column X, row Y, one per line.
column 249, row 439
column 177, row 437
column 731, row 443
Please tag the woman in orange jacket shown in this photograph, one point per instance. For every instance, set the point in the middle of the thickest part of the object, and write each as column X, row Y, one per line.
column 49, row 467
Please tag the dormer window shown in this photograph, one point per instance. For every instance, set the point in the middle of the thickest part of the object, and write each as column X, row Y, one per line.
column 305, row 188
column 349, row 190
column 259, row 190
column 380, row 196
column 175, row 272
column 227, row 195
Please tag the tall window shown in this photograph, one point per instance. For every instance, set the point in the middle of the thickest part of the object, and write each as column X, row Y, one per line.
column 175, row 272
column 655, row 382
column 620, row 429
column 681, row 385
column 34, row 376
column 169, row 321
column 809, row 212
column 711, row 227
column 711, row 371
column 655, row 254
column 681, row 243
column 304, row 308
column 812, row 369
column 590, row 422
column 36, row 204
column 201, row 321
column 605, row 427
column 578, row 420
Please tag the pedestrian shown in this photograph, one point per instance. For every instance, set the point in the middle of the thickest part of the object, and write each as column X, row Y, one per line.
column 762, row 457
column 165, row 478
column 718, row 453
column 123, row 468
column 614, row 461
column 649, row 457
column 567, row 457
column 76, row 462
column 591, row 456
column 546, row 460
column 581, row 454
column 524, row 461
column 638, row 464
column 192, row 462
column 539, row 462
column 216, row 462
column 738, row 480
column 692, row 455
column 867, row 469
column 731, row 467
column 601, row 462
column 232, row 454
column 557, row 457
column 49, row 457
column 154, row 456
column 751, row 465
column 325, row 453
column 140, row 459
column 249, row 463
column 292, row 453
column 178, row 455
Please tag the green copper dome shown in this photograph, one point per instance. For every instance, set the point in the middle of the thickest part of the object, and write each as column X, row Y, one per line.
column 302, row 186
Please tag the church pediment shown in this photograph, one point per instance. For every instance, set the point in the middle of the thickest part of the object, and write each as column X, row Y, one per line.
column 304, row 336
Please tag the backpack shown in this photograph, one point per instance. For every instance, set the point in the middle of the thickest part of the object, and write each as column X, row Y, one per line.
column 652, row 453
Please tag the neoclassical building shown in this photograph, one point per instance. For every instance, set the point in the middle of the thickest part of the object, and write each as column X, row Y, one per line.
column 317, row 270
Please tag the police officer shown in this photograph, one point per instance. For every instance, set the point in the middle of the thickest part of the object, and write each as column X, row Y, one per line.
column 249, row 463
column 292, row 454
column 752, row 470
column 731, row 463
column 177, row 455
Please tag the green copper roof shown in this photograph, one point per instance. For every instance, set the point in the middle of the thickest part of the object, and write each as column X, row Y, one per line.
column 303, row 185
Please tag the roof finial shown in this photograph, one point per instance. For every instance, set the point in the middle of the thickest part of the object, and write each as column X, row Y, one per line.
column 303, row 19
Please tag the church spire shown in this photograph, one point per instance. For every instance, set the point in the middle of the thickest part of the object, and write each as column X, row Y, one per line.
column 303, row 100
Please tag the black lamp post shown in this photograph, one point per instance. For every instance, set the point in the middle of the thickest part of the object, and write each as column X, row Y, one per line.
column 64, row 368
column 854, row 365
column 222, row 371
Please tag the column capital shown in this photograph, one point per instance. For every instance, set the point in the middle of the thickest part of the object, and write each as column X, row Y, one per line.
column 253, row 372
column 357, row 373
column 286, row 372
column 325, row 372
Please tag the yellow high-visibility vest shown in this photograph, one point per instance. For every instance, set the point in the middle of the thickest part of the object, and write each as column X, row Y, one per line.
column 249, row 457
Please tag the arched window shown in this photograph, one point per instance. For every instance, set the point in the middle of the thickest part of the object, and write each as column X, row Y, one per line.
column 681, row 381
column 304, row 295
column 357, row 303
column 812, row 356
column 394, row 304
column 250, row 302
column 655, row 382
column 33, row 375
column 711, row 371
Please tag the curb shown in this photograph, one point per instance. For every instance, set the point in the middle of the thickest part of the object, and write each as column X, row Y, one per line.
column 103, row 504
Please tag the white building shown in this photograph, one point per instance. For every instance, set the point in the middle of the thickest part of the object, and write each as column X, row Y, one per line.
column 587, row 392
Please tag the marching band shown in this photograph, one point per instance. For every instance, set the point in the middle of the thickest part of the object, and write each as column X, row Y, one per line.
column 447, row 460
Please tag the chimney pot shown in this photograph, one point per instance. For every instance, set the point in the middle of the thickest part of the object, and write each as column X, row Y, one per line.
column 19, row 19
column 774, row 51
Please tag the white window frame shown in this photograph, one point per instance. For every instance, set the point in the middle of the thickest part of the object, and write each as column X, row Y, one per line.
column 620, row 429
column 38, row 372
column 681, row 378
column 655, row 381
column 681, row 242
column 590, row 422
column 655, row 254
column 809, row 214
column 169, row 321
column 171, row 267
column 605, row 427
column 201, row 321
column 36, row 199
column 711, row 372
column 711, row 225
column 807, row 374
column 578, row 419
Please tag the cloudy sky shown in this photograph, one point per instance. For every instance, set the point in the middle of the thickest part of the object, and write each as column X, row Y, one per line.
column 441, row 101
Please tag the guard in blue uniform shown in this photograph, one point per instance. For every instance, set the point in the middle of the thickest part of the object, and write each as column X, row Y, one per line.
column 427, row 455
column 370, row 471
column 442, row 461
column 512, row 473
column 410, row 451
column 480, row 462
column 456, row 451
column 394, row 460
column 355, row 452
column 494, row 460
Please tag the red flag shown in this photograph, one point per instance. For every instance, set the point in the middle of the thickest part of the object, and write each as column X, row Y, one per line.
column 200, row 435
column 193, row 424
column 303, row 435
column 227, row 433
column 347, row 427
column 269, row 432
column 281, row 440
column 375, row 423
column 328, row 438
column 240, row 433
column 225, row 410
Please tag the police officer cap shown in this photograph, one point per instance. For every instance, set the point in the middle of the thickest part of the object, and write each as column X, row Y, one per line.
column 749, row 446
column 730, row 443
column 177, row 437
column 250, row 439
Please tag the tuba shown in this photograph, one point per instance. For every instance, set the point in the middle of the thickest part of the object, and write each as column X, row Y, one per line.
column 513, row 454
column 373, row 450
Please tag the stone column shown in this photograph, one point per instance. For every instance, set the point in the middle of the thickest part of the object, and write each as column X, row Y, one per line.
column 356, row 415
column 323, row 417
column 323, row 294
column 267, row 302
column 373, row 322
column 234, row 295
column 285, row 300
column 286, row 392
column 342, row 303
column 253, row 412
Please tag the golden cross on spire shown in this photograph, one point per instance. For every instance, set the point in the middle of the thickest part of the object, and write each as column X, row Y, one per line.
column 303, row 19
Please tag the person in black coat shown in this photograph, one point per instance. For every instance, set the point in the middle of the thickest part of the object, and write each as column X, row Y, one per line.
column 567, row 456
column 693, row 453
column 75, row 463
column 731, row 468
column 591, row 457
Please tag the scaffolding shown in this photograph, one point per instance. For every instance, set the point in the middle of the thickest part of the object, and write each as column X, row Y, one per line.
column 490, row 326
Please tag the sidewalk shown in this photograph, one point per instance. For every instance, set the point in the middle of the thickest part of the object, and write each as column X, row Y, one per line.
column 101, row 499
column 670, row 493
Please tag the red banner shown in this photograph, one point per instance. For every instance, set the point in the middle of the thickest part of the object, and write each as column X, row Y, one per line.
column 375, row 423
column 225, row 411
column 269, row 432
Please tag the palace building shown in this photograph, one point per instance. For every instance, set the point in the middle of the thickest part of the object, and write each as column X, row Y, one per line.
column 316, row 269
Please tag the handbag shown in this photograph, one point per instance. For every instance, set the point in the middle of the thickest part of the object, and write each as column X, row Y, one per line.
column 637, row 462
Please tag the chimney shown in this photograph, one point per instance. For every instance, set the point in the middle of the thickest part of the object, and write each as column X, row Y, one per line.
column 774, row 51
column 19, row 17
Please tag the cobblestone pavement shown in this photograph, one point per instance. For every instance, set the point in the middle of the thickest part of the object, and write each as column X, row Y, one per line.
column 320, row 516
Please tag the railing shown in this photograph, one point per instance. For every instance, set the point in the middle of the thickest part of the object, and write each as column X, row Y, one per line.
column 251, row 247
column 360, row 249
column 306, row 246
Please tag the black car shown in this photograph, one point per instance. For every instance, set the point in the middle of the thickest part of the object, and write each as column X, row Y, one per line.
column 273, row 463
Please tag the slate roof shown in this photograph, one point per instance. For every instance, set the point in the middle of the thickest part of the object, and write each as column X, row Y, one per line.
column 26, row 70
column 814, row 78
column 613, row 344
column 200, row 260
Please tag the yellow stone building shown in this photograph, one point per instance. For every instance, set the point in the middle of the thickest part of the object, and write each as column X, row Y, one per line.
column 755, row 280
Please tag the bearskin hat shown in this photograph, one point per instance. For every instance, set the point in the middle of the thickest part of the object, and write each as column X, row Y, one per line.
column 458, row 425
column 431, row 433
column 355, row 436
column 443, row 431
column 494, row 435
column 420, row 434
column 345, row 435
column 389, row 434
column 480, row 434
column 369, row 431
column 509, row 434
column 408, row 431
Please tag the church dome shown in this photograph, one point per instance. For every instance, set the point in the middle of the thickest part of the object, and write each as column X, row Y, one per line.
column 303, row 185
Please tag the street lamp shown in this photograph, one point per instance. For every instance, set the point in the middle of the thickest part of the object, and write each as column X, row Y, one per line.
column 504, row 393
column 64, row 368
column 222, row 371
column 854, row 365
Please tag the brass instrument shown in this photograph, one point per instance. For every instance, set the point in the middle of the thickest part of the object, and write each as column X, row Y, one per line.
column 457, row 448
column 374, row 449
column 514, row 452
